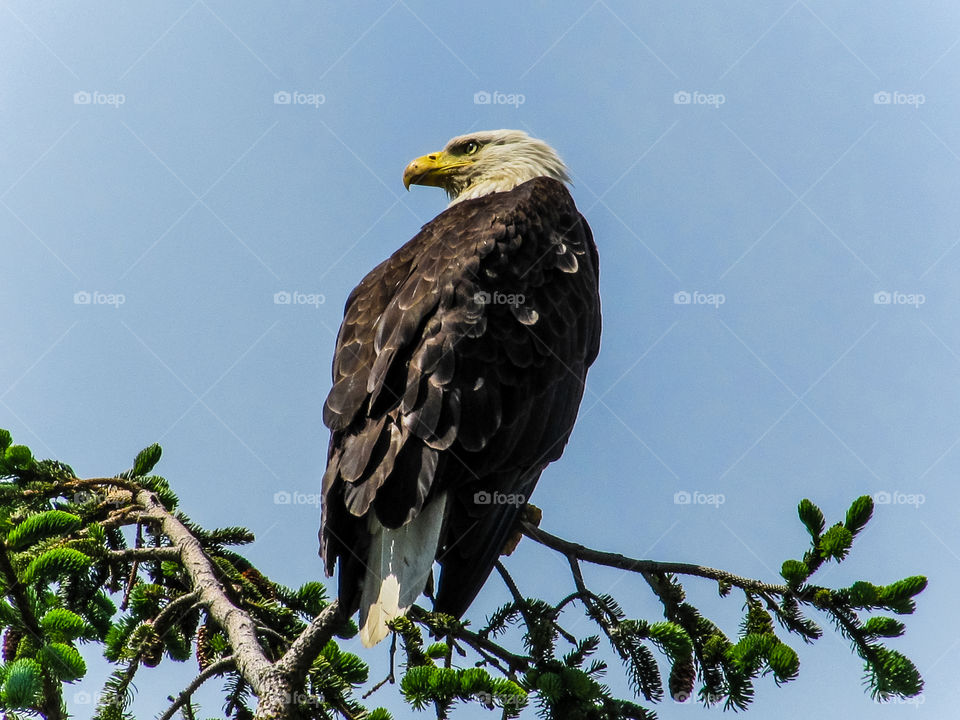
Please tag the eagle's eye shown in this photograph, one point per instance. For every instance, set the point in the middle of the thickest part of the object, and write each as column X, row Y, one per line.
column 471, row 147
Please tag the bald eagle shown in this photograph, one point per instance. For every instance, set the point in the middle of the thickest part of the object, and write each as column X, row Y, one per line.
column 457, row 376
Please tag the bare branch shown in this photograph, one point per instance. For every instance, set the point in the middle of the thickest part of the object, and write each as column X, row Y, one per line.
column 217, row 668
column 622, row 562
column 297, row 659
column 187, row 600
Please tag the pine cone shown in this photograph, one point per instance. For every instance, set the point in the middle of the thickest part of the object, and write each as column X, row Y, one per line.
column 255, row 578
column 151, row 649
column 682, row 677
column 11, row 641
column 204, row 651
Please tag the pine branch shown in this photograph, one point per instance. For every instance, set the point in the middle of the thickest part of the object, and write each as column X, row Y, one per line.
column 297, row 659
column 51, row 707
column 621, row 562
column 479, row 643
column 61, row 545
column 236, row 623
column 158, row 554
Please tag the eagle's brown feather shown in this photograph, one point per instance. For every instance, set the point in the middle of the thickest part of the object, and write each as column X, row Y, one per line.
column 436, row 390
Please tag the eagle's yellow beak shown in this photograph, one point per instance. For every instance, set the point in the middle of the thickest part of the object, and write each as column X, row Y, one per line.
column 431, row 169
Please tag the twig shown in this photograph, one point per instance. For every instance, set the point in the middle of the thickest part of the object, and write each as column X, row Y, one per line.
column 273, row 633
column 191, row 599
column 518, row 598
column 132, row 578
column 570, row 598
column 216, row 668
column 477, row 642
column 390, row 678
column 371, row 691
column 522, row 603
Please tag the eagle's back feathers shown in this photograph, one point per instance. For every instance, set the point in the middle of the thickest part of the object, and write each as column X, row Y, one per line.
column 459, row 369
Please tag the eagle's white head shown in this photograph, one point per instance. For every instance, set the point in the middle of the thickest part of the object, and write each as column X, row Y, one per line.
column 485, row 162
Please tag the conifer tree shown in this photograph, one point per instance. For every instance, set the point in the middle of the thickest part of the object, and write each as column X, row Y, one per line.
column 115, row 561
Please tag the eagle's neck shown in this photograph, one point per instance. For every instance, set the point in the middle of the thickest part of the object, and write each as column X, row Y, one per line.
column 508, row 175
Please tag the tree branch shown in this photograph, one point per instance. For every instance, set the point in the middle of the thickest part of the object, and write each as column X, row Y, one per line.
column 216, row 668
column 621, row 562
column 479, row 643
column 146, row 553
column 236, row 623
column 301, row 654
column 51, row 689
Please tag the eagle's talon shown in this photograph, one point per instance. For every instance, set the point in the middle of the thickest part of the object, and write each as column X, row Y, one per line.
column 530, row 513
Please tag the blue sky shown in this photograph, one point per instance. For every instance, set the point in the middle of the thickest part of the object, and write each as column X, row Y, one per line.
column 780, row 163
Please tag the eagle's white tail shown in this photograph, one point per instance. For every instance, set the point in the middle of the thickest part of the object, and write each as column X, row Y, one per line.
column 397, row 569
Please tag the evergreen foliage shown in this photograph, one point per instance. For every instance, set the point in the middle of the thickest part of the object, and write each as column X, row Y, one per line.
column 89, row 560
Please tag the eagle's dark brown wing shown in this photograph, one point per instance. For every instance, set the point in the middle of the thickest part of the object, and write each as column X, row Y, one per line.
column 459, row 368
